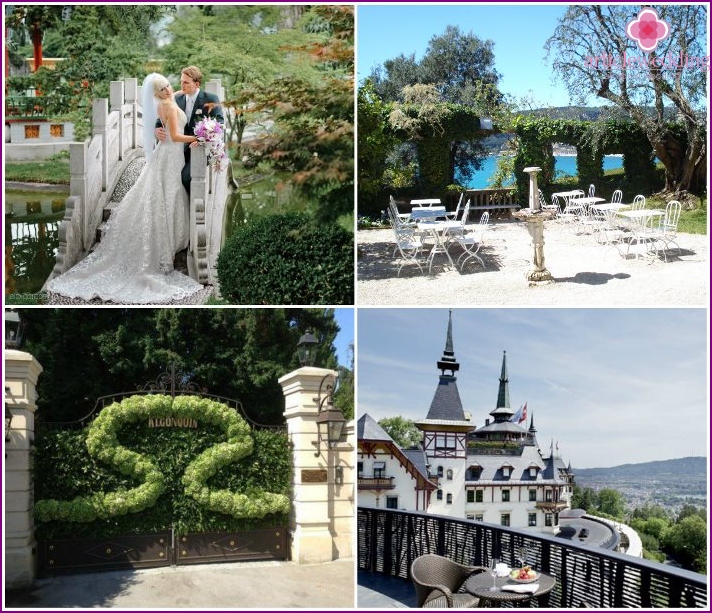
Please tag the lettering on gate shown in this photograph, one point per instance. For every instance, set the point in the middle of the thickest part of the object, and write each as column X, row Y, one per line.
column 172, row 422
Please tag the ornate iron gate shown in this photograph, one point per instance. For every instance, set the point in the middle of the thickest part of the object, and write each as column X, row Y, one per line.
column 163, row 548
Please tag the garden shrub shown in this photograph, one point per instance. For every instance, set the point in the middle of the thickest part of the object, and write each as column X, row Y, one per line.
column 286, row 259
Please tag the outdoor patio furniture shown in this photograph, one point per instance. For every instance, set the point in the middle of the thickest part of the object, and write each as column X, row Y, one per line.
column 409, row 243
column 452, row 216
column 438, row 581
column 471, row 241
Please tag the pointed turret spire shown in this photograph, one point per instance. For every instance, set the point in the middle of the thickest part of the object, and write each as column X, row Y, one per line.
column 532, row 429
column 448, row 361
column 503, row 395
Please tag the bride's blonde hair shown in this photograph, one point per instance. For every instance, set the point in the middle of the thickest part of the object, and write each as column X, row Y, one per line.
column 159, row 82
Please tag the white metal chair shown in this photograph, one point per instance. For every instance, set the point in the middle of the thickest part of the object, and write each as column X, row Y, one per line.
column 591, row 190
column 666, row 231
column 554, row 206
column 408, row 243
column 471, row 241
column 574, row 210
column 452, row 215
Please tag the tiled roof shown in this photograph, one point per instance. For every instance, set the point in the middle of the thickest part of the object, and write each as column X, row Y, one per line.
column 446, row 402
column 368, row 429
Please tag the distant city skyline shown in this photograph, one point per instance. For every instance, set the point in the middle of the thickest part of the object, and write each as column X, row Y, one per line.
column 610, row 386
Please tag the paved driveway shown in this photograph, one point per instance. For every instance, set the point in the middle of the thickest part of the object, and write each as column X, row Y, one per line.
column 242, row 585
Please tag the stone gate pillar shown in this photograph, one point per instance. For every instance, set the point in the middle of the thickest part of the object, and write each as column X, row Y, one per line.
column 322, row 521
column 21, row 373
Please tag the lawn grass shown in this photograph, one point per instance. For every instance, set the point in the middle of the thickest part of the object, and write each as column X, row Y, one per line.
column 692, row 220
column 54, row 171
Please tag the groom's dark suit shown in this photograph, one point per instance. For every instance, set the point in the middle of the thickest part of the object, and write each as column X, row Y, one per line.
column 200, row 111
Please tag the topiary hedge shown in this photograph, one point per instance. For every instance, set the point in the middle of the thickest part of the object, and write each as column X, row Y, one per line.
column 286, row 259
column 105, row 480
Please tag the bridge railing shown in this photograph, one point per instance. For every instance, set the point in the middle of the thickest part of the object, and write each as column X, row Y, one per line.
column 97, row 164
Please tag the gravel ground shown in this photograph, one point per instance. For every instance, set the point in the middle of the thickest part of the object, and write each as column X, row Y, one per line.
column 585, row 272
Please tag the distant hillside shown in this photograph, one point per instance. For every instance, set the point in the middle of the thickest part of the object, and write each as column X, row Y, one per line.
column 683, row 467
column 669, row 483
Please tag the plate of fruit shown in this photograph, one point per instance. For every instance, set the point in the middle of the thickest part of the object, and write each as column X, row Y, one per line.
column 526, row 574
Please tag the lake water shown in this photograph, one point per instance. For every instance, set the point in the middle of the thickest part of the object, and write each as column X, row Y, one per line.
column 564, row 165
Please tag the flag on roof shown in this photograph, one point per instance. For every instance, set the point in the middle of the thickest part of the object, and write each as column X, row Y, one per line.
column 521, row 415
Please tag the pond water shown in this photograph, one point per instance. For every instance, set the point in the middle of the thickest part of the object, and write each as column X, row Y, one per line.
column 31, row 240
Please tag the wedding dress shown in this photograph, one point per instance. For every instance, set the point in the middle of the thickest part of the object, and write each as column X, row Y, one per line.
column 133, row 262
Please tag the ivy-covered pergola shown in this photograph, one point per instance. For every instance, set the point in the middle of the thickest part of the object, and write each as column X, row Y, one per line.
column 593, row 140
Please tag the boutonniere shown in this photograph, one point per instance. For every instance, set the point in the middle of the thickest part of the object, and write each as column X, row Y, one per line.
column 198, row 112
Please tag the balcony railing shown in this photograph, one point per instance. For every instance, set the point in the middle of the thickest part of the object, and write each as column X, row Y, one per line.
column 389, row 541
column 24, row 107
column 375, row 483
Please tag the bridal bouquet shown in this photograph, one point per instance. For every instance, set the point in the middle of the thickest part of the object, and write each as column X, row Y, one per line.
column 210, row 133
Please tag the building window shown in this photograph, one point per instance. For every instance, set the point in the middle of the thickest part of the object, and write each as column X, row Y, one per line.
column 360, row 469
column 505, row 496
column 440, row 472
column 470, row 516
column 32, row 131
column 532, row 472
column 379, row 470
column 505, row 519
column 532, row 519
column 56, row 129
column 445, row 441
column 506, row 471
column 532, row 495
column 449, row 474
column 470, row 495
column 479, row 496
column 449, row 498
column 440, row 495
column 475, row 472
column 548, row 519
column 479, row 517
column 547, row 495
column 391, row 502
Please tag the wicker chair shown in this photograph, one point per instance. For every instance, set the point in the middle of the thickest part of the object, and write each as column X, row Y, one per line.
column 438, row 582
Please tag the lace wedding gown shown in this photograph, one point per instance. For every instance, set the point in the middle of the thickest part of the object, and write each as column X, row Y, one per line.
column 133, row 263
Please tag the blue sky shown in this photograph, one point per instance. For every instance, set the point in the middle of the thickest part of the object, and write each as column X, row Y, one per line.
column 612, row 386
column 345, row 319
column 518, row 32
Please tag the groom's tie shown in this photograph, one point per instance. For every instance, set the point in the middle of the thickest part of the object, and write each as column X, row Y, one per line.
column 189, row 106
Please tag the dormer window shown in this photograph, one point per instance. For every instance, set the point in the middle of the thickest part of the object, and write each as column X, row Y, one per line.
column 506, row 471
column 474, row 472
column 533, row 471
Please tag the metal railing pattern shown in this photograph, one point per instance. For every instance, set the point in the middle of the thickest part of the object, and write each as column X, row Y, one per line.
column 389, row 541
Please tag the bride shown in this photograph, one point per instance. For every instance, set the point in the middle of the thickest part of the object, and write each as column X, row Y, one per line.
column 133, row 263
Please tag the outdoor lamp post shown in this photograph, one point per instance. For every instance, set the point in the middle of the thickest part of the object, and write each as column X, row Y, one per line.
column 306, row 347
column 330, row 421
column 13, row 329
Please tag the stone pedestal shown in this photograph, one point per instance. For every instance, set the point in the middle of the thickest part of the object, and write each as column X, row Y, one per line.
column 21, row 373
column 535, row 217
column 323, row 501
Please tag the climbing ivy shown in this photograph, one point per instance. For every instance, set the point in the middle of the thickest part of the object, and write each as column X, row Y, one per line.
column 593, row 140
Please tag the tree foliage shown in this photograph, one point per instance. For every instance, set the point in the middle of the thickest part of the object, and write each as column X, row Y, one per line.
column 403, row 431
column 594, row 56
column 436, row 103
column 236, row 353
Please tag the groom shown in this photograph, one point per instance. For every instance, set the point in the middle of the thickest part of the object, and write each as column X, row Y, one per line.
column 197, row 105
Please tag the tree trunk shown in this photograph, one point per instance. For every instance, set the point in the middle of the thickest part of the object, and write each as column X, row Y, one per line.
column 37, row 46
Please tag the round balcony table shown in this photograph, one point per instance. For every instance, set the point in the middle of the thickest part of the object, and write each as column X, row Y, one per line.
column 479, row 585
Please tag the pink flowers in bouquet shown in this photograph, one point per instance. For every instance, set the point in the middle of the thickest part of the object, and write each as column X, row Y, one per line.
column 210, row 132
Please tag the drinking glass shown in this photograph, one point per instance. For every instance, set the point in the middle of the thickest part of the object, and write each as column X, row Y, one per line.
column 522, row 555
column 493, row 572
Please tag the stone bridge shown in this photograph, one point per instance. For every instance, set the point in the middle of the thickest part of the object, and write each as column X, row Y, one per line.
column 103, row 167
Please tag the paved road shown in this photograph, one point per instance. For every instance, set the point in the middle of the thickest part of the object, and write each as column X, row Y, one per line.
column 243, row 585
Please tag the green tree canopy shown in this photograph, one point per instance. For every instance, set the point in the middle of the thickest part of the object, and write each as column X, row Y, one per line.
column 402, row 431
column 687, row 540
column 587, row 36
column 236, row 353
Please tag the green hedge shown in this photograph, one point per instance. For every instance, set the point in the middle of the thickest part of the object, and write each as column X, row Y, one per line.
column 71, row 484
column 286, row 259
